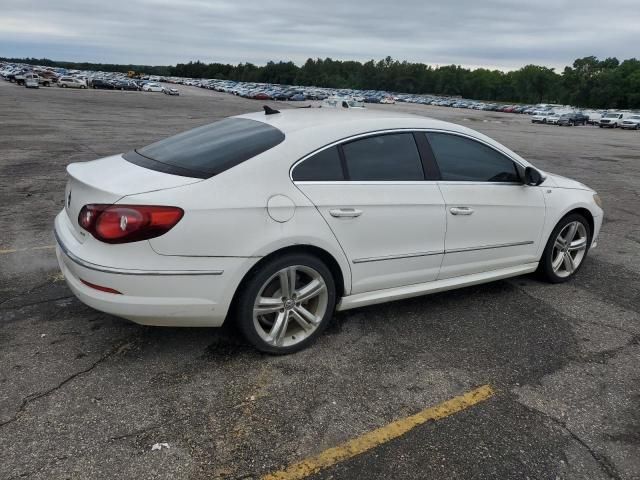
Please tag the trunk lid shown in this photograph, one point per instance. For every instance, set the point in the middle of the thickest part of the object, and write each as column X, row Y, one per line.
column 109, row 179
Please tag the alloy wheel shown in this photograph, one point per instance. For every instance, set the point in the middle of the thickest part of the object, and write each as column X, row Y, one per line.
column 569, row 249
column 290, row 306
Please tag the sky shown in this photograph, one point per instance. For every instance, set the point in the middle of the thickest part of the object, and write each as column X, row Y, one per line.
column 502, row 34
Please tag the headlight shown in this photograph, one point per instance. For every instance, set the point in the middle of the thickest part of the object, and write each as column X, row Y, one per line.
column 597, row 199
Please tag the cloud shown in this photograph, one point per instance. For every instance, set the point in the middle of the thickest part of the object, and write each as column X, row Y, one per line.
column 492, row 33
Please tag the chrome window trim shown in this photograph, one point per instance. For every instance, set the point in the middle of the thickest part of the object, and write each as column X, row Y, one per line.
column 366, row 182
column 441, row 252
column 123, row 271
column 398, row 130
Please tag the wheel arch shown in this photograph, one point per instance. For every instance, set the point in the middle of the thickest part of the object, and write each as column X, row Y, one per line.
column 585, row 212
column 329, row 260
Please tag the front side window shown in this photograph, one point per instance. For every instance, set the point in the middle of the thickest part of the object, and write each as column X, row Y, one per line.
column 462, row 159
column 390, row 157
column 208, row 150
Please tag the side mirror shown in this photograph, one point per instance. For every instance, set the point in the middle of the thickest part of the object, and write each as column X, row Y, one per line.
column 532, row 177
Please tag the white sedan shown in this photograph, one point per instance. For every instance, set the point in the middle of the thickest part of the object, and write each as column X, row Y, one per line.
column 152, row 87
column 274, row 220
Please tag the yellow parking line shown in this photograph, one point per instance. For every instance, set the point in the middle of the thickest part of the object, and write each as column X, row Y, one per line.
column 4, row 251
column 379, row 436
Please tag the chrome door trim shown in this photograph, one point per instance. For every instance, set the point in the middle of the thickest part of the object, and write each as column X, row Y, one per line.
column 488, row 247
column 397, row 257
column 123, row 271
column 440, row 252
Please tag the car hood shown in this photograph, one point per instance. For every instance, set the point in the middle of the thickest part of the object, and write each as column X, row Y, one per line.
column 563, row 182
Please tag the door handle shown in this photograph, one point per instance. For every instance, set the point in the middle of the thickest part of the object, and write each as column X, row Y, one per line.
column 461, row 211
column 345, row 212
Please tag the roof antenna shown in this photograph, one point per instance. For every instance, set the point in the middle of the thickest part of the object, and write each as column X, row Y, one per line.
column 269, row 111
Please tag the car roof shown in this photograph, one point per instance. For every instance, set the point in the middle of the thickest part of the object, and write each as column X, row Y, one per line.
column 346, row 120
column 314, row 128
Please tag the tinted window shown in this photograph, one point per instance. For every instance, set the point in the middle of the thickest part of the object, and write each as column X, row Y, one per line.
column 323, row 166
column 384, row 157
column 208, row 150
column 463, row 159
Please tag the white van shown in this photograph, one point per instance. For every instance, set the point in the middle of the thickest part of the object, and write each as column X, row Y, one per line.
column 613, row 119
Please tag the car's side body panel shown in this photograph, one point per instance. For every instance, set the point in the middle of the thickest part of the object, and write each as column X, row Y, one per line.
column 398, row 236
column 502, row 230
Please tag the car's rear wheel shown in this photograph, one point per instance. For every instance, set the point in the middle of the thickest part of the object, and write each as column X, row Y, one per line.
column 566, row 249
column 286, row 303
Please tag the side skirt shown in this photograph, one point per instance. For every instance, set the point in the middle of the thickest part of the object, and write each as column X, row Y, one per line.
column 400, row 293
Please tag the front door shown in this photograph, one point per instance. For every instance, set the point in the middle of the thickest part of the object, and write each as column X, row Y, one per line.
column 493, row 220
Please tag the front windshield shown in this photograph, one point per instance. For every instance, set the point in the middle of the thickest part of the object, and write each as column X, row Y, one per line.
column 611, row 115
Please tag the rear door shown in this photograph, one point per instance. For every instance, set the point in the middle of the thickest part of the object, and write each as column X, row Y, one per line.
column 388, row 218
column 493, row 219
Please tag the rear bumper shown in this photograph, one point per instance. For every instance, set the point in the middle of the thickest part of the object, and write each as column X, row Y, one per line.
column 162, row 296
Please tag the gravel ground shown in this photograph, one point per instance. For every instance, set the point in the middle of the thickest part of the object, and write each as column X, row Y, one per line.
column 86, row 395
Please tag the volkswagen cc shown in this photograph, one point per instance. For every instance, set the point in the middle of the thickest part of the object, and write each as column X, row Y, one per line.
column 274, row 220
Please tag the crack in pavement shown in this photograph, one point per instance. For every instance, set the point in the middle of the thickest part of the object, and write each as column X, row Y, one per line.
column 35, row 396
column 28, row 291
column 37, row 302
column 605, row 464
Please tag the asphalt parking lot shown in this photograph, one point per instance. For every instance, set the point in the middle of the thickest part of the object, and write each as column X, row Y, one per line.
column 86, row 395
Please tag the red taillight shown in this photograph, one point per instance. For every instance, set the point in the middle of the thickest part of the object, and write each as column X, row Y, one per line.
column 101, row 288
column 128, row 223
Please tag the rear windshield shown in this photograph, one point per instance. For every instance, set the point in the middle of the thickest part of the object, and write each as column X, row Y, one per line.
column 208, row 150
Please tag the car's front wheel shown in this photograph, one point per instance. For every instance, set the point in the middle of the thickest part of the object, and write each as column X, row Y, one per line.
column 286, row 303
column 566, row 249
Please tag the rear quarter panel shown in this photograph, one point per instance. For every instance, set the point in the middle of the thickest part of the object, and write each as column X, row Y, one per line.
column 227, row 216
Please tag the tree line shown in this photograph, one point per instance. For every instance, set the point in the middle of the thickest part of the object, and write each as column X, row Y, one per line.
column 589, row 82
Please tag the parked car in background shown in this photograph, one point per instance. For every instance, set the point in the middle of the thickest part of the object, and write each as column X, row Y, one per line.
column 71, row 82
column 573, row 118
column 31, row 80
column 593, row 117
column 153, row 245
column 151, row 87
column 612, row 119
column 541, row 116
column 125, row 85
column 553, row 118
column 631, row 123
column 99, row 83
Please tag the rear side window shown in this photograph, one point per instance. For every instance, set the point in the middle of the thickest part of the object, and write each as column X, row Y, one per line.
column 392, row 157
column 463, row 159
column 324, row 166
column 208, row 150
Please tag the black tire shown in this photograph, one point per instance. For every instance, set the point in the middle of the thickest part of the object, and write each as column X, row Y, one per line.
column 251, row 288
column 545, row 269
